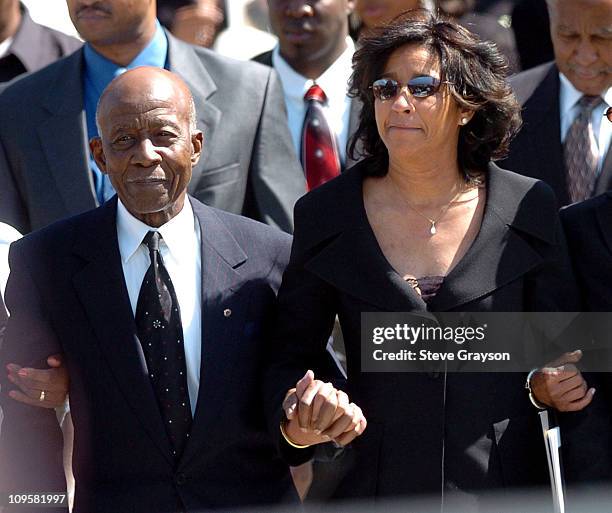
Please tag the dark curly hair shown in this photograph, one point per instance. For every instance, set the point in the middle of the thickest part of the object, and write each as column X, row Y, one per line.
column 477, row 74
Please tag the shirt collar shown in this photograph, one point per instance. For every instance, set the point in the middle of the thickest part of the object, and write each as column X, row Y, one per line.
column 101, row 71
column 176, row 233
column 333, row 81
column 569, row 95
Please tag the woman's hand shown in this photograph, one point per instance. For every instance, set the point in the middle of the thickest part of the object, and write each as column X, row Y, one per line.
column 46, row 388
column 317, row 412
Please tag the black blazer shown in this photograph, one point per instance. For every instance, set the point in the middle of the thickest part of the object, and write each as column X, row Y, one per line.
column 67, row 294
column 481, row 428
column 537, row 150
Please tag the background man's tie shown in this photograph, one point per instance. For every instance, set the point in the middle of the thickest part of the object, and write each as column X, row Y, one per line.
column 158, row 321
column 581, row 158
column 320, row 157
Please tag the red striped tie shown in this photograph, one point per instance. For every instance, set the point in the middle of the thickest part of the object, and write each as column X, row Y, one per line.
column 320, row 157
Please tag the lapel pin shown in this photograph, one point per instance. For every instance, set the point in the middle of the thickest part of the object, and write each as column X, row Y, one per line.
column 227, row 312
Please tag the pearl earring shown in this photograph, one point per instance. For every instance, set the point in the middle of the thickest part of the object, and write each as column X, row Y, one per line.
column 464, row 121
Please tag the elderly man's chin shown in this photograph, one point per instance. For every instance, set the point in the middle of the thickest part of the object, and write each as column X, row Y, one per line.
column 151, row 198
column 589, row 82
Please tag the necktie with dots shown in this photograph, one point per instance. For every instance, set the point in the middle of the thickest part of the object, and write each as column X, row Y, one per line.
column 319, row 155
column 158, row 322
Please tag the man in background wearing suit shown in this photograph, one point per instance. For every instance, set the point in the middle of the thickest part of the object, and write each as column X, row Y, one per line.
column 563, row 140
column 46, row 170
column 160, row 306
column 26, row 46
column 314, row 49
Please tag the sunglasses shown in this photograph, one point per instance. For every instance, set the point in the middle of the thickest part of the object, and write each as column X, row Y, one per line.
column 420, row 87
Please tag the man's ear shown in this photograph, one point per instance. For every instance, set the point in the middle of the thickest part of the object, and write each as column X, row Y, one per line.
column 197, row 141
column 95, row 145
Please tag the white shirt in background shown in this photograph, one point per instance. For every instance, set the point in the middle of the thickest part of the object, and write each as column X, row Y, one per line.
column 181, row 252
column 8, row 234
column 334, row 82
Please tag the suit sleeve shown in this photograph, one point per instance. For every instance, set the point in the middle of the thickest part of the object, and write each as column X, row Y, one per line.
column 276, row 180
column 305, row 317
column 12, row 207
column 30, row 440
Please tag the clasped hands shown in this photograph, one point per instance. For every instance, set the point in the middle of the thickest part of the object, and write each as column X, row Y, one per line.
column 317, row 413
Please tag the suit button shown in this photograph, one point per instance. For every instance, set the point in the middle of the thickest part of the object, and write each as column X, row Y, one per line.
column 180, row 479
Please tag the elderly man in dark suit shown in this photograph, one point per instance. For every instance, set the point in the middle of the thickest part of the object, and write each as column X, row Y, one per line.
column 159, row 304
column 46, row 170
column 563, row 140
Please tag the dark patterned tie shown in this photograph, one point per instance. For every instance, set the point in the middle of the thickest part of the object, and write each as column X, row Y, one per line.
column 320, row 157
column 580, row 157
column 158, row 321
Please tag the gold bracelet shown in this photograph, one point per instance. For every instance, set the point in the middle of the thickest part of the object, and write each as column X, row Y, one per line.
column 288, row 440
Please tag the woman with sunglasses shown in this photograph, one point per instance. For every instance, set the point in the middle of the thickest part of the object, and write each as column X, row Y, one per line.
column 426, row 222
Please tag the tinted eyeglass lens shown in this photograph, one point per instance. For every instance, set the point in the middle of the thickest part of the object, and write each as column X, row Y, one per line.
column 419, row 87
column 385, row 89
column 422, row 87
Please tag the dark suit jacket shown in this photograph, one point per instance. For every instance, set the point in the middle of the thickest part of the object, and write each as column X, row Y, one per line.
column 248, row 163
column 537, row 150
column 266, row 59
column 588, row 227
column 67, row 294
column 480, row 427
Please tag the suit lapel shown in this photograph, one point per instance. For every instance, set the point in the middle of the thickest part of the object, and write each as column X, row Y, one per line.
column 350, row 257
column 183, row 61
column 499, row 254
column 604, row 218
column 542, row 127
column 63, row 133
column 604, row 182
column 224, row 308
column 101, row 288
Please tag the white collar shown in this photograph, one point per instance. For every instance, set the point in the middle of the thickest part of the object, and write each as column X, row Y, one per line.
column 333, row 81
column 176, row 232
column 569, row 95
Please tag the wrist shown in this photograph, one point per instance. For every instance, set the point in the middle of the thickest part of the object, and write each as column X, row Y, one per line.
column 291, row 440
column 532, row 397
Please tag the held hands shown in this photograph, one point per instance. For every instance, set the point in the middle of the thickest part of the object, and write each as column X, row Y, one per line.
column 33, row 382
column 317, row 412
column 561, row 385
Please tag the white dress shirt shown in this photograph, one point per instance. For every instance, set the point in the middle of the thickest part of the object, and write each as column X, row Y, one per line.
column 568, row 108
column 333, row 81
column 8, row 234
column 180, row 251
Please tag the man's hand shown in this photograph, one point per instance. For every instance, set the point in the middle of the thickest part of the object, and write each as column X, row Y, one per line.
column 318, row 413
column 561, row 385
column 32, row 382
